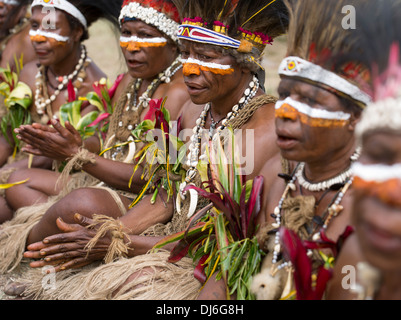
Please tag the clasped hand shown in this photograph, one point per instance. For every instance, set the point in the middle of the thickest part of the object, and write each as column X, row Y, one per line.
column 57, row 142
column 67, row 250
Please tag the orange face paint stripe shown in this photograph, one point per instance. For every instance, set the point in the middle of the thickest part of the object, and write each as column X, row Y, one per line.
column 193, row 66
column 42, row 36
column 134, row 43
column 293, row 109
column 43, row 39
column 133, row 46
column 388, row 191
column 288, row 112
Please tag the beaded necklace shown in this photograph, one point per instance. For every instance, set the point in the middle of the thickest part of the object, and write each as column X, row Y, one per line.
column 332, row 211
column 196, row 139
column 325, row 185
column 135, row 103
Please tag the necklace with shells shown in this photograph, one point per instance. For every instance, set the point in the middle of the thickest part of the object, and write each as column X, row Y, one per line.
column 345, row 179
column 43, row 104
column 137, row 104
column 196, row 143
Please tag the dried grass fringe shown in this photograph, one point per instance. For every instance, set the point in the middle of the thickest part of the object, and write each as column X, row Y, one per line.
column 157, row 280
column 14, row 233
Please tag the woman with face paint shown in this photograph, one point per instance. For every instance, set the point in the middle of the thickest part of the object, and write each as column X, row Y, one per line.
column 319, row 105
column 224, row 81
column 14, row 45
column 154, row 71
column 57, row 30
column 369, row 264
column 56, row 33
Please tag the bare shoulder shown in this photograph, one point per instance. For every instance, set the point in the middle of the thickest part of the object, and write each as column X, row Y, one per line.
column 265, row 114
column 263, row 120
column 263, row 135
column 18, row 47
column 271, row 169
column 122, row 86
column 93, row 74
column 28, row 74
column 190, row 112
column 177, row 95
column 273, row 186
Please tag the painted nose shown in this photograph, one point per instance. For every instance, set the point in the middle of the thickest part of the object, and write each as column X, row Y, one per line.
column 190, row 69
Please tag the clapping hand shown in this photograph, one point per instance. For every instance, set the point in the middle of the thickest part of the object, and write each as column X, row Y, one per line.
column 56, row 142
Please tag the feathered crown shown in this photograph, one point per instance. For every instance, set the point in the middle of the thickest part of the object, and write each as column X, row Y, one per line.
column 317, row 44
column 239, row 24
column 161, row 14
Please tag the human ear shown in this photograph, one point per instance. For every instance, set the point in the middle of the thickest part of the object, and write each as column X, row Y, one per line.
column 77, row 34
column 355, row 118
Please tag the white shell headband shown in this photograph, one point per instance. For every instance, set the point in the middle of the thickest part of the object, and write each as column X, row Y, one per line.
column 151, row 17
column 297, row 67
column 65, row 6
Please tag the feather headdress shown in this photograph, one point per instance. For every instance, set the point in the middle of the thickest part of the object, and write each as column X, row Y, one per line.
column 317, row 44
column 239, row 24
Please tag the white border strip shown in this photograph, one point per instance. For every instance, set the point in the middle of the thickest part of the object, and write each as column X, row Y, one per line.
column 204, row 35
column 47, row 34
column 206, row 64
column 63, row 5
column 313, row 112
column 377, row 172
column 308, row 70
